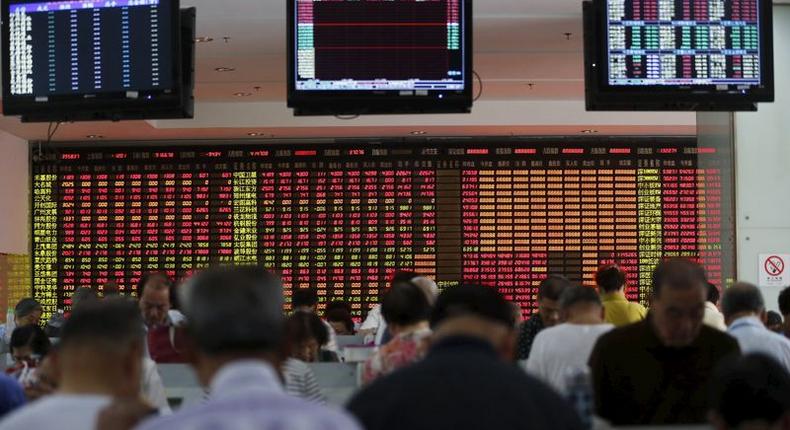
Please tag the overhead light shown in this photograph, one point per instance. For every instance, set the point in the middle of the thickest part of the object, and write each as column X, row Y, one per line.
column 589, row 131
column 224, row 69
column 94, row 136
column 418, row 133
column 203, row 39
column 240, row 94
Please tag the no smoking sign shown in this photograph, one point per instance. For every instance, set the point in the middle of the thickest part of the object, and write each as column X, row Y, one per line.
column 773, row 270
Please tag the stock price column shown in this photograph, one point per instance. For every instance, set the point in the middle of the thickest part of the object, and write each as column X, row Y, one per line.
column 45, row 241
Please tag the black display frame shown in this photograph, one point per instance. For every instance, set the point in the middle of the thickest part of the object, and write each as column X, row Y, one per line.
column 173, row 103
column 380, row 102
column 600, row 95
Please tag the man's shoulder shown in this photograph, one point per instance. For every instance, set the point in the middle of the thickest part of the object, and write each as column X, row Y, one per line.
column 626, row 333
column 277, row 412
column 778, row 339
column 718, row 338
column 50, row 412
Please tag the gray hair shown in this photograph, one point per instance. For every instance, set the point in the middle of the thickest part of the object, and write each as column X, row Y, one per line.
column 742, row 297
column 428, row 286
column 236, row 310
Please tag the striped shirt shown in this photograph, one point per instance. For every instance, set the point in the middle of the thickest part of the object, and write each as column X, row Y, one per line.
column 300, row 381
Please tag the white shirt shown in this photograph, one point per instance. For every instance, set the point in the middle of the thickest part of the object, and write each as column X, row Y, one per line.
column 247, row 395
column 152, row 387
column 332, row 344
column 376, row 321
column 559, row 350
column 753, row 337
column 714, row 318
column 58, row 411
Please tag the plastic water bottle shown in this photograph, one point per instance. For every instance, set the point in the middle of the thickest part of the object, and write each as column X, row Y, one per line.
column 578, row 387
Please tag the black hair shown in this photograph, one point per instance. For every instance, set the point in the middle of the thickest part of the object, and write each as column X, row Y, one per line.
column 114, row 322
column 784, row 302
column 742, row 297
column 678, row 273
column 32, row 336
column 774, row 318
column 338, row 304
column 472, row 300
column 713, row 293
column 303, row 326
column 750, row 388
column 304, row 297
column 552, row 287
column 405, row 304
column 234, row 310
column 27, row 306
column 579, row 295
column 341, row 315
column 610, row 278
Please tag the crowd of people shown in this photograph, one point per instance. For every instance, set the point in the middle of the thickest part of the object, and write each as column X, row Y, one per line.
column 456, row 359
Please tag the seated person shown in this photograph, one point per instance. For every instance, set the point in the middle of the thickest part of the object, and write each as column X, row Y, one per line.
column 306, row 337
column 406, row 310
column 29, row 345
column 341, row 322
column 98, row 359
column 467, row 379
column 27, row 312
column 306, row 300
column 750, row 392
column 165, row 337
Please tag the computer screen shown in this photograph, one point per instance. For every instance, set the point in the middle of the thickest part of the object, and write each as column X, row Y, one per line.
column 97, row 60
column 368, row 48
column 678, row 55
column 83, row 47
column 684, row 42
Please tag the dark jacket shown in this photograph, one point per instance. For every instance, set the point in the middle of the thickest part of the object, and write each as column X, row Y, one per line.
column 639, row 381
column 461, row 384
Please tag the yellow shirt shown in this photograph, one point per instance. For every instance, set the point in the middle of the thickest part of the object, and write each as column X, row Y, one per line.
column 619, row 311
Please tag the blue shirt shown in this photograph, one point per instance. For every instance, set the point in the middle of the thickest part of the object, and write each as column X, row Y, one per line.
column 249, row 395
column 753, row 337
column 11, row 395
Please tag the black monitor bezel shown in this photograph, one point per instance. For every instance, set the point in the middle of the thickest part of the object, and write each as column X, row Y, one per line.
column 600, row 94
column 361, row 102
column 93, row 106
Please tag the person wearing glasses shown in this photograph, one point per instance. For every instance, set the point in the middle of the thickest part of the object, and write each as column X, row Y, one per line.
column 548, row 315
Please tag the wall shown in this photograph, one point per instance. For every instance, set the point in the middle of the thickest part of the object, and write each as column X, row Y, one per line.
column 14, row 195
column 763, row 168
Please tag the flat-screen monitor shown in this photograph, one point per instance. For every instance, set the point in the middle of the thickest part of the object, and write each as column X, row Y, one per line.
column 94, row 60
column 679, row 54
column 374, row 57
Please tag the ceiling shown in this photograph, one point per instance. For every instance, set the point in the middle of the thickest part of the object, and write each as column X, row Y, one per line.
column 532, row 75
